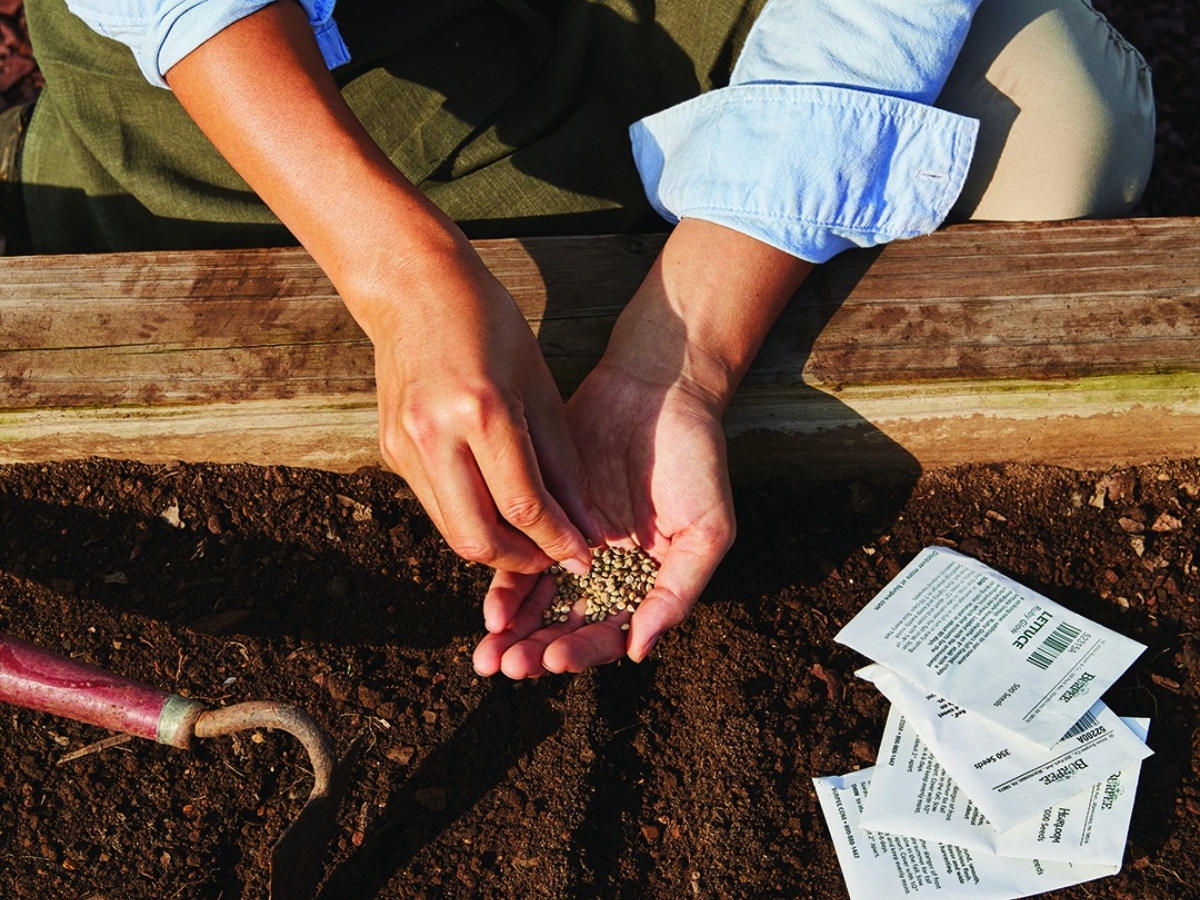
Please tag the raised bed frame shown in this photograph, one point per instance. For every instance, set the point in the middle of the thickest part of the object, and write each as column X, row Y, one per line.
column 1075, row 343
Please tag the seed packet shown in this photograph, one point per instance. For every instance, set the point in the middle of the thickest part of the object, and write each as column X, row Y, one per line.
column 1007, row 778
column 878, row 865
column 912, row 794
column 959, row 629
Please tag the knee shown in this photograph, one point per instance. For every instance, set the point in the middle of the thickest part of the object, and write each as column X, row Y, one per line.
column 1066, row 114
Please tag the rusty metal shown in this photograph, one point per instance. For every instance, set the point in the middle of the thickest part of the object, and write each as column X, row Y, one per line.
column 297, row 857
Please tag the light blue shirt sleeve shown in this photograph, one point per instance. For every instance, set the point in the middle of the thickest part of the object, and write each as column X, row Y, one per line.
column 825, row 138
column 162, row 32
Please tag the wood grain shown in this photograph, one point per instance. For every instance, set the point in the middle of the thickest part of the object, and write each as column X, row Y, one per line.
column 1075, row 343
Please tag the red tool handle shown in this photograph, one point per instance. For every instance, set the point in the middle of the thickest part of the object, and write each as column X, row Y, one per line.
column 36, row 678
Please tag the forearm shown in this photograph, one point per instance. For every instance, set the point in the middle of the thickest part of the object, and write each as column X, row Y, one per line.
column 704, row 309
column 468, row 412
column 262, row 94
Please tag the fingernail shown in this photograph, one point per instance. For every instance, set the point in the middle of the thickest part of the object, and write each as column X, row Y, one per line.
column 574, row 566
column 648, row 649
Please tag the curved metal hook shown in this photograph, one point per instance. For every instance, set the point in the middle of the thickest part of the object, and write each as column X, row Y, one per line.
column 265, row 714
column 296, row 859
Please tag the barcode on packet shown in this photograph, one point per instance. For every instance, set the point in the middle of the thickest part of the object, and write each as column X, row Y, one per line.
column 1055, row 643
column 1088, row 721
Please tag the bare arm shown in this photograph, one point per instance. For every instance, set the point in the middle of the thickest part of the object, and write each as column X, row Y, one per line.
column 469, row 414
column 713, row 293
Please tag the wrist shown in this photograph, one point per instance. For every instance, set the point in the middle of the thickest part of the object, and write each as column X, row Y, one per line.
column 651, row 344
column 399, row 263
column 703, row 310
column 403, row 268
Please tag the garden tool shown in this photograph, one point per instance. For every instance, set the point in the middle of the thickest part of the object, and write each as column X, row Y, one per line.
column 36, row 678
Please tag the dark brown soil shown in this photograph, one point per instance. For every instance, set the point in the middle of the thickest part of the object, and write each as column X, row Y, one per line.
column 687, row 776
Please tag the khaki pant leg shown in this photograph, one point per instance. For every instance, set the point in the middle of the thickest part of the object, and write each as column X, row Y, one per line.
column 1066, row 113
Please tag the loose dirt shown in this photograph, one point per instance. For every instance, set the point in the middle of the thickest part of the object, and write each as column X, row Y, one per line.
column 688, row 775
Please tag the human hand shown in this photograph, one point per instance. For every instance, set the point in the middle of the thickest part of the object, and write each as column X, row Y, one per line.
column 470, row 416
column 646, row 423
column 655, row 462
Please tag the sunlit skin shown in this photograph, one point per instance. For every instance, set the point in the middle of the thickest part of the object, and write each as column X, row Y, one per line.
column 469, row 414
column 647, row 422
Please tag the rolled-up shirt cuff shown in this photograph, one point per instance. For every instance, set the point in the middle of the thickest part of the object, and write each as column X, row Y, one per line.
column 810, row 169
column 197, row 22
column 162, row 33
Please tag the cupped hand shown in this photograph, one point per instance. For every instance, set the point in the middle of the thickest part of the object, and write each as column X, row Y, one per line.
column 647, row 425
column 654, row 457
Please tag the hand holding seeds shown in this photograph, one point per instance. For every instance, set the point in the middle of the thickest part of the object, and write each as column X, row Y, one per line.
column 617, row 582
column 662, row 501
column 647, row 425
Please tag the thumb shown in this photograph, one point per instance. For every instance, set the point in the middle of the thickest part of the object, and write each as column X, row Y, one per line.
column 685, row 571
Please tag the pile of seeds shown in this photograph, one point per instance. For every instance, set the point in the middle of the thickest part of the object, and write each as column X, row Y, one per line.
column 617, row 581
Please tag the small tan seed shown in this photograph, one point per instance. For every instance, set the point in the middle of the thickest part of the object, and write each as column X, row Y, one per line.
column 618, row 580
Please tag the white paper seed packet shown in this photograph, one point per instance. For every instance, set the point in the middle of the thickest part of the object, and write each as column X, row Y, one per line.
column 1008, row 778
column 877, row 865
column 960, row 629
column 913, row 795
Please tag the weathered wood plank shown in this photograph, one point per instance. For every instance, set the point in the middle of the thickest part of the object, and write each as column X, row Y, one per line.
column 805, row 432
column 979, row 343
column 163, row 328
column 1098, row 422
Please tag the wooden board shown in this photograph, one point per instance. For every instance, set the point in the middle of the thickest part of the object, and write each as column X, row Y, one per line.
column 1075, row 343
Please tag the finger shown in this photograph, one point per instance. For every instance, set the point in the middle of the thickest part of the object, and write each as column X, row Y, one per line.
column 527, row 620
column 523, row 658
column 509, row 467
column 570, row 646
column 530, row 635
column 686, row 568
column 472, row 525
column 531, row 648
column 563, row 470
column 592, row 645
column 460, row 506
column 504, row 597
